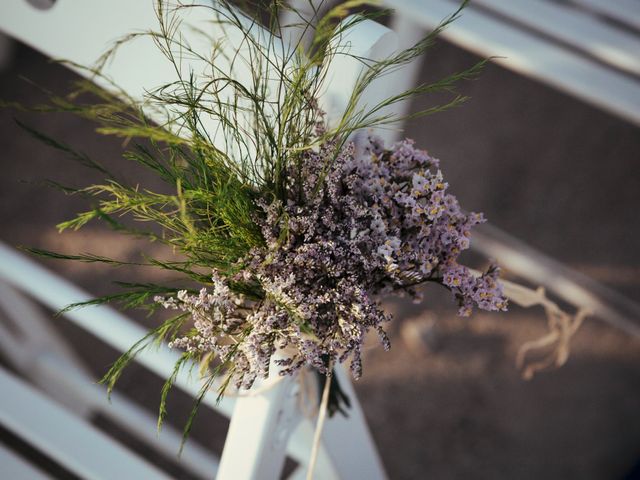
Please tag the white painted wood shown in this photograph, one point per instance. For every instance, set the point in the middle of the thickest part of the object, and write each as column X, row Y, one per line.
column 80, row 31
column 260, row 424
column 76, row 445
column 368, row 41
column 351, row 460
column 91, row 26
column 126, row 414
column 296, row 20
column 31, row 335
column 110, row 326
column 301, row 444
column 409, row 33
column 569, row 285
column 529, row 55
column 582, row 31
column 624, row 11
column 14, row 467
column 347, row 449
column 29, row 323
column 260, row 428
column 36, row 350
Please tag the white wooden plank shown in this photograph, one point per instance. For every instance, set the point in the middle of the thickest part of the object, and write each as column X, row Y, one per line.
column 40, row 355
column 368, row 40
column 409, row 33
column 582, row 31
column 31, row 335
column 351, row 460
column 300, row 446
column 14, row 467
column 126, row 414
column 347, row 449
column 59, row 434
column 261, row 424
column 80, row 31
column 531, row 56
column 110, row 326
column 569, row 285
column 297, row 21
column 624, row 11
column 259, row 431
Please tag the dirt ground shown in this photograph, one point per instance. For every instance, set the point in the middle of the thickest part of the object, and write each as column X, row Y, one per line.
column 559, row 174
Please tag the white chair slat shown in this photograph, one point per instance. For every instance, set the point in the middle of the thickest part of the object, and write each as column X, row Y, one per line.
column 81, row 31
column 338, row 435
column 569, row 285
column 125, row 413
column 92, row 26
column 71, row 442
column 585, row 32
column 104, row 322
column 409, row 33
column 626, row 12
column 259, row 431
column 39, row 353
column 14, row 467
column 530, row 55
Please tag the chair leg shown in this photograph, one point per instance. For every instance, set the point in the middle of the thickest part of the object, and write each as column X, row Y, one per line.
column 259, row 431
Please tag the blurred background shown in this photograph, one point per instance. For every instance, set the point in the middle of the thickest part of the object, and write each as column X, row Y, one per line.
column 447, row 402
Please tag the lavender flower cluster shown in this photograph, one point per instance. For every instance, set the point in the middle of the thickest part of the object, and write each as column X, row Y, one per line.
column 373, row 222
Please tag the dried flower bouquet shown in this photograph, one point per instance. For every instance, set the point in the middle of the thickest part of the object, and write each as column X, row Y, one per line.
column 287, row 239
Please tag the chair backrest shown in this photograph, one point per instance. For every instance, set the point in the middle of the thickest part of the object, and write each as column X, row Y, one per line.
column 80, row 31
column 586, row 48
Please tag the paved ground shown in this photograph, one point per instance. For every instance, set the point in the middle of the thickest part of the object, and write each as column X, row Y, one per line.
column 561, row 175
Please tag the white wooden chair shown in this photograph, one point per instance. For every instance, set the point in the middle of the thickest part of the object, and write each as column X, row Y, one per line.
column 263, row 427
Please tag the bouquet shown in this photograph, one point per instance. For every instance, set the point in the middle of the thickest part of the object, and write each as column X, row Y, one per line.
column 287, row 228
